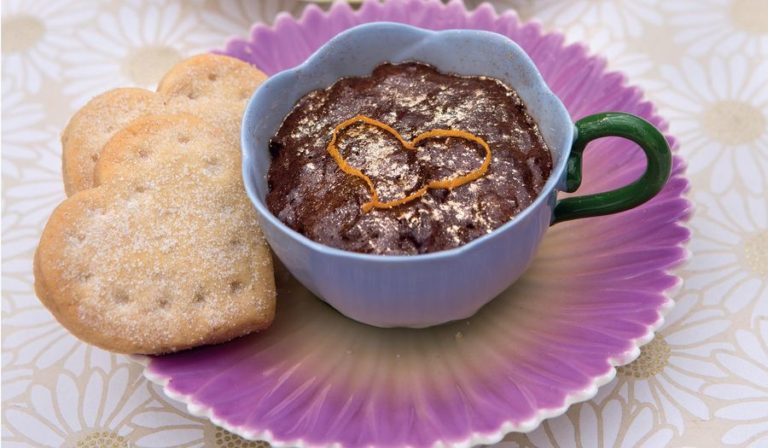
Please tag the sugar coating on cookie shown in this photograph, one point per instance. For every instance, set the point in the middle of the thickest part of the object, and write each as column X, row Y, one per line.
column 213, row 87
column 93, row 125
column 134, row 152
column 166, row 252
column 211, row 76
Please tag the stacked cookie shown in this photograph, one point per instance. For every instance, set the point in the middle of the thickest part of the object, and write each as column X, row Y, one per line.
column 157, row 247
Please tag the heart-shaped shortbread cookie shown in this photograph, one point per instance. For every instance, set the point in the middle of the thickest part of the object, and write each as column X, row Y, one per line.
column 449, row 183
column 165, row 253
column 212, row 87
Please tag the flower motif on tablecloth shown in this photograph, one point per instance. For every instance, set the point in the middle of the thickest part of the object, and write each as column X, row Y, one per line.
column 27, row 204
column 134, row 46
column 620, row 56
column 523, row 8
column 177, row 429
column 720, row 26
column 42, row 190
column 225, row 439
column 34, row 32
column 730, row 252
column 164, row 426
column 235, row 18
column 172, row 425
column 90, row 411
column 17, row 280
column 621, row 17
column 15, row 380
column 673, row 368
column 611, row 424
column 720, row 114
column 18, row 244
column 717, row 106
column 748, row 395
column 38, row 341
column 23, row 129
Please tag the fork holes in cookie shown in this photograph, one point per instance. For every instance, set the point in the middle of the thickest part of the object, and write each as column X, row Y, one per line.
column 76, row 238
column 94, row 212
column 199, row 297
column 235, row 286
column 143, row 153
column 212, row 167
column 212, row 77
column 120, row 296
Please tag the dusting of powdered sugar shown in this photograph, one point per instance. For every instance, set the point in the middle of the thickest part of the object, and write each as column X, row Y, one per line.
column 412, row 99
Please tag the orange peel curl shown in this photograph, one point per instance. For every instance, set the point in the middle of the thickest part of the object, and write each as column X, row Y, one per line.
column 449, row 183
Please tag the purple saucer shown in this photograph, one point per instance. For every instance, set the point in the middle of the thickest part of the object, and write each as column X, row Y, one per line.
column 596, row 291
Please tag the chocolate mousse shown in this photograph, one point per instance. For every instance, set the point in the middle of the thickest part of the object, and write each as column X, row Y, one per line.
column 485, row 145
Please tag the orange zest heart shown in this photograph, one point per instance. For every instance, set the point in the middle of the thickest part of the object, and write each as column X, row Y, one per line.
column 449, row 183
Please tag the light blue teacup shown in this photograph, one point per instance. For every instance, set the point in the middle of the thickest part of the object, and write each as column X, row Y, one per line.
column 424, row 290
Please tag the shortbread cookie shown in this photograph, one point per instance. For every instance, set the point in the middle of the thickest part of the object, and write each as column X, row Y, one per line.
column 211, row 76
column 145, row 149
column 216, row 88
column 93, row 125
column 165, row 253
column 213, row 87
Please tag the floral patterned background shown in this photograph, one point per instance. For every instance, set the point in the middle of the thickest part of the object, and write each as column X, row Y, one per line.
column 703, row 381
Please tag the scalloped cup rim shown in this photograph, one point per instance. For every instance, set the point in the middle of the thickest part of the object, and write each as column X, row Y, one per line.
column 315, row 61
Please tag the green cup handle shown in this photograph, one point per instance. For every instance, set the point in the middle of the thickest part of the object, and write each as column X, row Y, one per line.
column 614, row 124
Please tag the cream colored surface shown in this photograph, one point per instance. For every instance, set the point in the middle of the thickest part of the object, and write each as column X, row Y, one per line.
column 704, row 63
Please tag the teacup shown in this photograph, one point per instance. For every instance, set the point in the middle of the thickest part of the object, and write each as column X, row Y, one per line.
column 429, row 289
